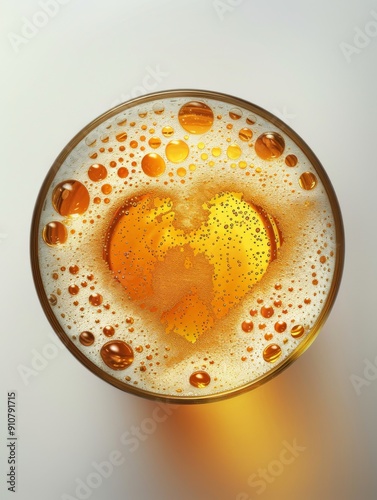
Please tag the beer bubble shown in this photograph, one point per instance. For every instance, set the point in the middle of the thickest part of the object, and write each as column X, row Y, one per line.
column 297, row 331
column 121, row 137
column 154, row 142
column 176, row 151
column 271, row 353
column 269, row 145
column 245, row 134
column 158, row 108
column 251, row 119
column 123, row 172
column 233, row 151
column 280, row 326
column 167, row 131
column 117, row 355
column 86, row 338
column 91, row 139
column 308, row 181
column 267, row 312
column 235, row 113
column 291, row 160
column 196, row 117
column 53, row 299
column 54, row 233
column 106, row 188
column 73, row 289
column 142, row 112
column 73, row 269
column 70, row 198
column 200, row 379
column 108, row 330
column 95, row 299
column 97, row 172
column 153, row 165
column 247, row 326
column 216, row 152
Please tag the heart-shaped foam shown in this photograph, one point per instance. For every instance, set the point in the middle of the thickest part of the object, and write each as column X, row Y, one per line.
column 190, row 278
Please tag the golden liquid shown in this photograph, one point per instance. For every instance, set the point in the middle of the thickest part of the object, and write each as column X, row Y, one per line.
column 145, row 245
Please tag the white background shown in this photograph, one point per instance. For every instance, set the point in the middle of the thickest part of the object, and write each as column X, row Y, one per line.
column 291, row 58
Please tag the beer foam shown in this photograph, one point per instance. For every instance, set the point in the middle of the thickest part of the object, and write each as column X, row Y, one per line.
column 210, row 153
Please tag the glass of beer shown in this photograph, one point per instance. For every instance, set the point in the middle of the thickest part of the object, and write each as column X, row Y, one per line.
column 187, row 246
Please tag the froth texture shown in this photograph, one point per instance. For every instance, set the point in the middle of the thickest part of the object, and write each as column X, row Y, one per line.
column 187, row 246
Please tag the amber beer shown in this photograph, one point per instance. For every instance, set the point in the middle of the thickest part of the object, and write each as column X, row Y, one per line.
column 187, row 245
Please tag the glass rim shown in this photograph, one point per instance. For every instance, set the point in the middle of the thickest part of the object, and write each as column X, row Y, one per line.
column 339, row 253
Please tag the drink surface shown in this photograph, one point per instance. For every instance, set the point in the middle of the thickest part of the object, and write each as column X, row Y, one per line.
column 187, row 245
